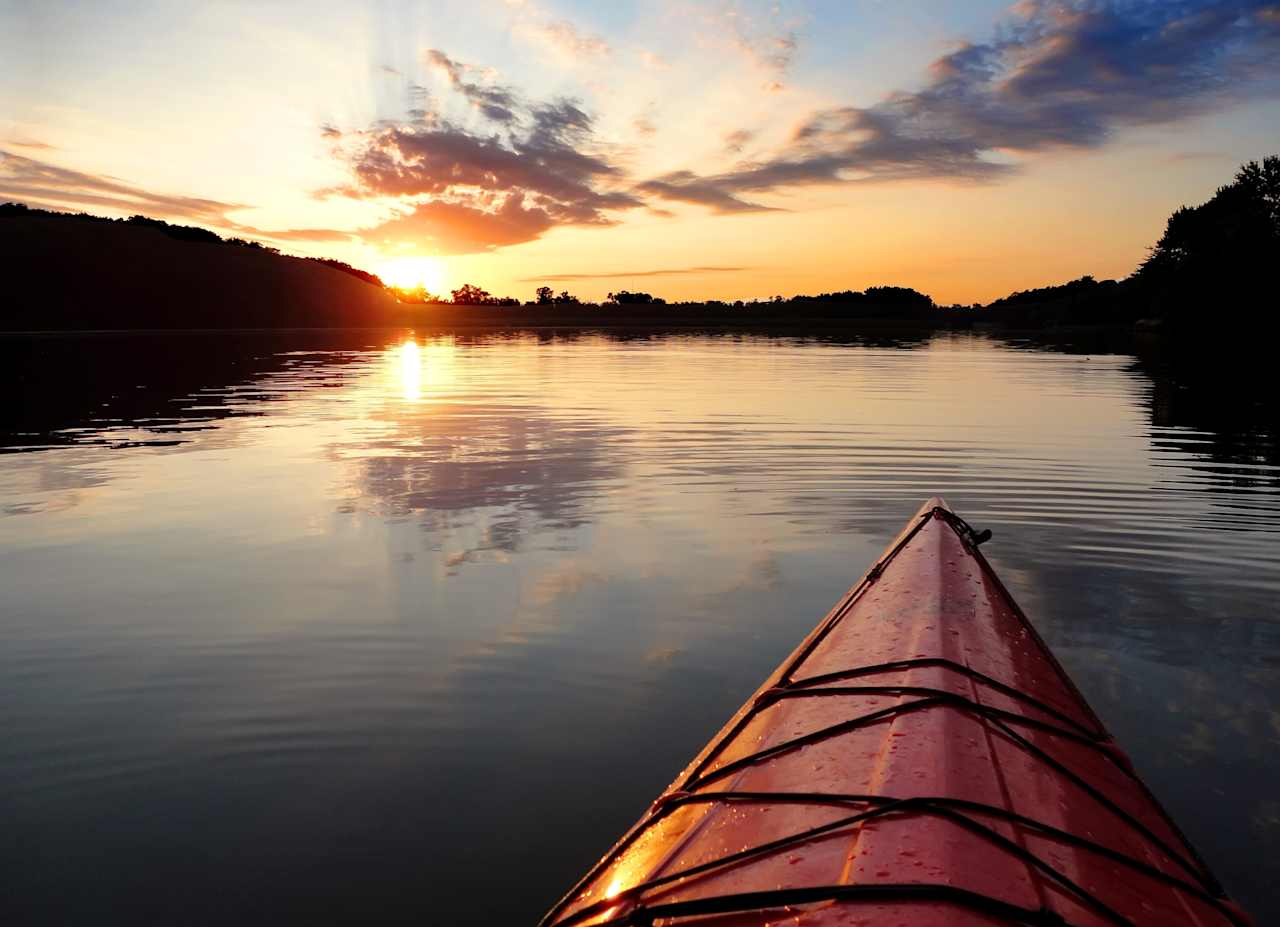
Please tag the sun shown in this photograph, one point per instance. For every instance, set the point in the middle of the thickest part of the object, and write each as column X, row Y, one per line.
column 408, row 273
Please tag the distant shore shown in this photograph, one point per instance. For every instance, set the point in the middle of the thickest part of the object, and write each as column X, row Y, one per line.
column 517, row 320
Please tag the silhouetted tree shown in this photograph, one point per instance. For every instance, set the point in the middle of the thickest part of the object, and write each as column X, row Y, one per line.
column 567, row 299
column 1222, row 251
column 414, row 294
column 471, row 295
column 625, row 297
column 898, row 296
column 545, row 295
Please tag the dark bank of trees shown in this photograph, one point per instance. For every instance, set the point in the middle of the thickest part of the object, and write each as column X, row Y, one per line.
column 180, row 233
column 74, row 273
column 1085, row 301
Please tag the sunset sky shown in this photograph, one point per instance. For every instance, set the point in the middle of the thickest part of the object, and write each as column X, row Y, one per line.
column 692, row 149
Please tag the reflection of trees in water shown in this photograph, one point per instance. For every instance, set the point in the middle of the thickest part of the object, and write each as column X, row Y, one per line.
column 78, row 389
column 1231, row 402
column 143, row 388
column 1223, row 392
column 524, row 467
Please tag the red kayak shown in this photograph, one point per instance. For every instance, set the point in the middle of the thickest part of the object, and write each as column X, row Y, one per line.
column 921, row 759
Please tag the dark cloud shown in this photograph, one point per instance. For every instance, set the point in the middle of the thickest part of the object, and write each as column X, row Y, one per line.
column 496, row 102
column 1056, row 74
column 536, row 166
column 688, row 187
column 664, row 272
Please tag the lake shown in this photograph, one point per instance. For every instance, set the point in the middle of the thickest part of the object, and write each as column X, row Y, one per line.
column 390, row 628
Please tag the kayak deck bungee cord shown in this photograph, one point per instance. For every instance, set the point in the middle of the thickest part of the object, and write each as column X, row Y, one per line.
column 920, row 759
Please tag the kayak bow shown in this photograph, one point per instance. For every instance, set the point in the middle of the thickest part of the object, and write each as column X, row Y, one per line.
column 920, row 759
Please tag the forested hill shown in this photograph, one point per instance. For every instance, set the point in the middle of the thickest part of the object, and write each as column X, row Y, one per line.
column 67, row 272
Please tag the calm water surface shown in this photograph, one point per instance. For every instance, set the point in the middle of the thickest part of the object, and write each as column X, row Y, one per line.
column 335, row 629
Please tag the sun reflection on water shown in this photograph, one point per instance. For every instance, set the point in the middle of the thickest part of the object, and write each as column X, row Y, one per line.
column 411, row 371
column 421, row 370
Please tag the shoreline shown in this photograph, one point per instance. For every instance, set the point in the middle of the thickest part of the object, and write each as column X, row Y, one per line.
column 796, row 329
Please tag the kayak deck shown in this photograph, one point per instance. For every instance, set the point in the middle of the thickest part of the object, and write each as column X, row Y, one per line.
column 920, row 759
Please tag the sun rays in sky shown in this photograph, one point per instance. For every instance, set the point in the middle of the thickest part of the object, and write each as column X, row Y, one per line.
column 964, row 149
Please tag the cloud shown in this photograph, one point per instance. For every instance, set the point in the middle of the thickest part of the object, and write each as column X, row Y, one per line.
column 457, row 228
column 26, row 178
column 536, row 166
column 566, row 40
column 663, row 272
column 297, row 234
column 559, row 36
column 29, row 143
column 771, row 52
column 1056, row 75
column 47, row 186
column 737, row 140
column 496, row 102
column 688, row 187
column 769, row 45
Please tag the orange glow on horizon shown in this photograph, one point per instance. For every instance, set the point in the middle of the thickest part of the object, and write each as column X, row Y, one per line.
column 408, row 273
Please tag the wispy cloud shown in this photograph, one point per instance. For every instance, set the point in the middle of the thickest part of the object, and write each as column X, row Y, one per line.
column 495, row 101
column 687, row 187
column 30, row 144
column 1057, row 74
column 565, row 40
column 662, row 272
column 316, row 235
column 24, row 178
column 738, row 139
column 47, row 186
column 769, row 41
